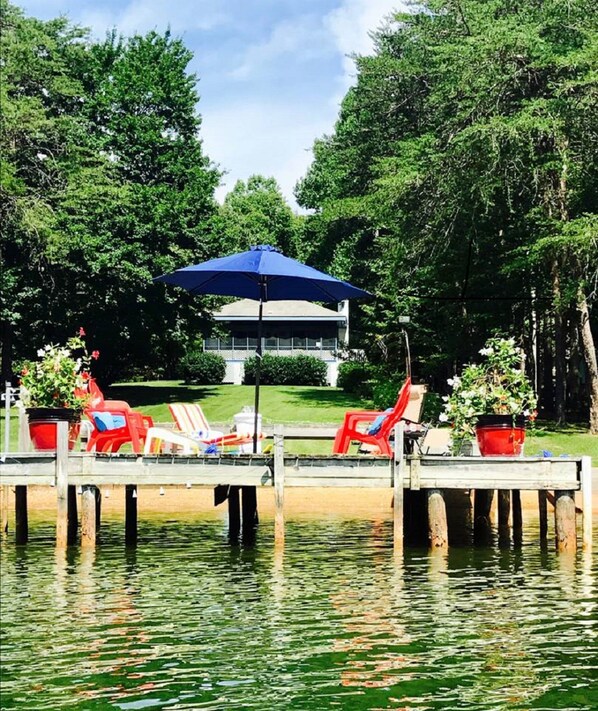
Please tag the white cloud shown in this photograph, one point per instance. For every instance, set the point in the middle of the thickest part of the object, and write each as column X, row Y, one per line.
column 303, row 37
column 351, row 25
column 264, row 138
column 144, row 15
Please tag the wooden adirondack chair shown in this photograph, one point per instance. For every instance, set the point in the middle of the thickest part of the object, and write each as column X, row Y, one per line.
column 357, row 425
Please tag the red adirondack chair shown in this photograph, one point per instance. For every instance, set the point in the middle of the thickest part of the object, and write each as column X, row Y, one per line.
column 354, row 419
column 114, row 423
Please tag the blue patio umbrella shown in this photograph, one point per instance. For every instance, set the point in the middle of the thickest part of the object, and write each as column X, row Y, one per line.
column 263, row 274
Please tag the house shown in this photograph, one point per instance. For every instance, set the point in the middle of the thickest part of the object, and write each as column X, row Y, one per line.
column 289, row 328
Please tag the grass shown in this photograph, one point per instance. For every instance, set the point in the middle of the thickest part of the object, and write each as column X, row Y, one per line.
column 295, row 405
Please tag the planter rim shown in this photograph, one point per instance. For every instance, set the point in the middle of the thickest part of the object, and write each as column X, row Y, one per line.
column 492, row 420
column 53, row 413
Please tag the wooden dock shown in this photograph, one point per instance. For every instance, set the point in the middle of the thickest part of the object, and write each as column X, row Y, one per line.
column 403, row 475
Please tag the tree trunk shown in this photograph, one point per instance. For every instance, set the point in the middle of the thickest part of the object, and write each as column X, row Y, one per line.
column 559, row 347
column 589, row 351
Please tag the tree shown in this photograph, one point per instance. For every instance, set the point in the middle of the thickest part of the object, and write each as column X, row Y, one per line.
column 467, row 142
column 256, row 212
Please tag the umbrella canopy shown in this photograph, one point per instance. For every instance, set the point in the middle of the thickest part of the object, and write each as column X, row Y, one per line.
column 264, row 274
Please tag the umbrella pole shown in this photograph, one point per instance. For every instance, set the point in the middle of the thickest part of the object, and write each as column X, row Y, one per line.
column 258, row 367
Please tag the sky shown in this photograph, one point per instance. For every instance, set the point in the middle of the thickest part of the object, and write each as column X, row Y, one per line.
column 271, row 72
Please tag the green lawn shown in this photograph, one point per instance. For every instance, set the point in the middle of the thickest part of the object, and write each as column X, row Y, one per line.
column 294, row 405
column 278, row 405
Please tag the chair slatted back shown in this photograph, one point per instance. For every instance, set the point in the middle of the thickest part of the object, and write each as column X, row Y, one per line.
column 189, row 417
column 397, row 411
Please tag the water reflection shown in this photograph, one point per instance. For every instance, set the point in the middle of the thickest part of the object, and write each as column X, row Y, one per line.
column 335, row 618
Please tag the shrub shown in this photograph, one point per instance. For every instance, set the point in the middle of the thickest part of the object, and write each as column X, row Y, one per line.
column 355, row 377
column 202, row 368
column 385, row 391
column 287, row 370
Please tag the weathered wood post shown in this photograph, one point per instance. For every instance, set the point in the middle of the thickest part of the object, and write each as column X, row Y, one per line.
column 437, row 522
column 234, row 513
column 279, row 487
column 62, row 482
column 586, row 501
column 88, row 515
column 398, row 484
column 543, row 515
column 504, row 514
column 72, row 522
column 21, row 519
column 564, row 520
column 130, row 514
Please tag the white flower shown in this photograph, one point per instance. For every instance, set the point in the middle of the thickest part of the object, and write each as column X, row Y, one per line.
column 41, row 352
column 486, row 351
column 450, row 381
column 443, row 417
column 526, row 413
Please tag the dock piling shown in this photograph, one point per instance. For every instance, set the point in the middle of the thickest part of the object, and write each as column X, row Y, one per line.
column 88, row 516
column 482, row 503
column 279, row 488
column 72, row 522
column 437, row 521
column 564, row 521
column 21, row 519
column 399, row 497
column 234, row 513
column 543, row 515
column 504, row 515
column 130, row 514
column 5, row 494
column 62, row 482
column 586, row 501
column 517, row 517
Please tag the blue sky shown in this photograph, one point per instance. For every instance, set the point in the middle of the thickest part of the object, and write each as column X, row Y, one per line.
column 271, row 72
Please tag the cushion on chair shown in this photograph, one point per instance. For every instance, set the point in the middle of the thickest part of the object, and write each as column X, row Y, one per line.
column 105, row 421
column 376, row 425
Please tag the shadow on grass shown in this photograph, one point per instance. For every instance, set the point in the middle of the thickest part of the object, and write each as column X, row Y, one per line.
column 321, row 396
column 140, row 395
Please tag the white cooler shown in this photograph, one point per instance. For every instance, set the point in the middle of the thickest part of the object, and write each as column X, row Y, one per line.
column 244, row 423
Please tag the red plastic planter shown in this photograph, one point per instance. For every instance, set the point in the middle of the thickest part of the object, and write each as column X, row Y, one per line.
column 500, row 435
column 42, row 426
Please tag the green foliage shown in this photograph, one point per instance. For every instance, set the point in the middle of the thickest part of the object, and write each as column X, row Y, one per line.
column 202, row 368
column 256, row 212
column 287, row 370
column 463, row 168
column 104, row 184
column 355, row 377
column 498, row 386
column 385, row 392
column 58, row 378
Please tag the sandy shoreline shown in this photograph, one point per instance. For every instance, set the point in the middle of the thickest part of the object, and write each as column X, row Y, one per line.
column 299, row 502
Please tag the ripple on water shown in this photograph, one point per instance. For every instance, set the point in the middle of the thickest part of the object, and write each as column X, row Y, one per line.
column 184, row 621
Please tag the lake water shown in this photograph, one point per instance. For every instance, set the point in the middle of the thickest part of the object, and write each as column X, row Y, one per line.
column 184, row 621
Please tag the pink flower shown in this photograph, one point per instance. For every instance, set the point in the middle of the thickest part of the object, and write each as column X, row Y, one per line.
column 81, row 331
column 95, row 355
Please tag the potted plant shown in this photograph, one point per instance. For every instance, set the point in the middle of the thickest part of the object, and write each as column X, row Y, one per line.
column 492, row 400
column 54, row 388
